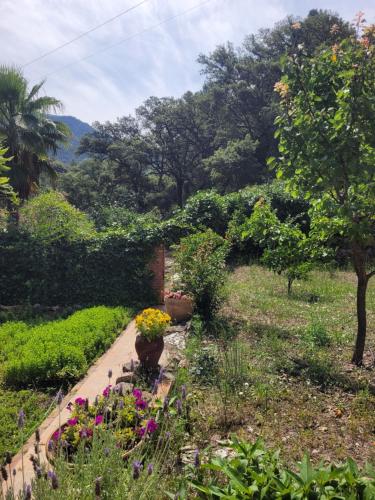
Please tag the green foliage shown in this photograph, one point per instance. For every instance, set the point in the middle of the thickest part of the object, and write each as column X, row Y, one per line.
column 27, row 131
column 327, row 152
column 317, row 334
column 206, row 210
column 60, row 351
column 110, row 268
column 6, row 191
column 256, row 473
column 200, row 262
column 49, row 217
column 286, row 247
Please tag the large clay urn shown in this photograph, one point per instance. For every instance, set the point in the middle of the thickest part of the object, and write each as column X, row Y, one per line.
column 149, row 351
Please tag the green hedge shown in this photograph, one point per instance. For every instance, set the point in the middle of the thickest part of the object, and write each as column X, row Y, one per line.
column 111, row 268
column 59, row 351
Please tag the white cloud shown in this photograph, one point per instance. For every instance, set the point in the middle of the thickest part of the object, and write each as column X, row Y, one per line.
column 159, row 62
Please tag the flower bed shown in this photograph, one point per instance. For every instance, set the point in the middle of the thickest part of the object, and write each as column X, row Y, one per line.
column 129, row 415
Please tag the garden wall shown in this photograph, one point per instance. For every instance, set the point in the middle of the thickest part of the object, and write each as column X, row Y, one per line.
column 111, row 269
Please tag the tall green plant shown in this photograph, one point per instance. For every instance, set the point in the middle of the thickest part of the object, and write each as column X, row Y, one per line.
column 200, row 262
column 326, row 129
column 27, row 131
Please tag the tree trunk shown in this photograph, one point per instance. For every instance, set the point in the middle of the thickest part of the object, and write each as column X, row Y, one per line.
column 359, row 261
column 290, row 282
column 180, row 193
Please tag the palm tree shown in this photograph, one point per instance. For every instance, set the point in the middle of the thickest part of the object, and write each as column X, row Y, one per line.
column 27, row 131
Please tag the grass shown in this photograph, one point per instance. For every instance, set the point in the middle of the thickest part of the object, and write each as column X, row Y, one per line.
column 36, row 361
column 297, row 388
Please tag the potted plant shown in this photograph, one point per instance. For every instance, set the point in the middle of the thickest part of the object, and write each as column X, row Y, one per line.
column 129, row 416
column 149, row 344
column 179, row 305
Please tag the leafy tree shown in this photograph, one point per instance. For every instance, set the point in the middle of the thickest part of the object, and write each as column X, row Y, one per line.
column 327, row 148
column 179, row 140
column 235, row 165
column 50, row 217
column 6, row 191
column 26, row 131
column 286, row 248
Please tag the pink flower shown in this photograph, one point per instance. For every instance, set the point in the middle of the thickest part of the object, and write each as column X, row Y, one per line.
column 137, row 393
column 151, row 426
column 98, row 419
column 73, row 421
column 57, row 435
column 85, row 433
column 80, row 401
column 142, row 431
column 107, row 391
column 141, row 404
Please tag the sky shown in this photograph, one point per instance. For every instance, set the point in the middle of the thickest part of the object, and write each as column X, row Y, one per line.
column 129, row 59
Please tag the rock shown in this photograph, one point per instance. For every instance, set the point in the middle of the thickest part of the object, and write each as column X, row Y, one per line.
column 183, row 363
column 130, row 366
column 224, row 453
column 124, row 387
column 168, row 376
column 127, row 377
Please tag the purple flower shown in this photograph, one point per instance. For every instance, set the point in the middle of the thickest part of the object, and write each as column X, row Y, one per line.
column 121, row 404
column 155, row 387
column 179, row 406
column 98, row 483
column 54, row 480
column 183, row 392
column 150, row 469
column 107, row 391
column 21, row 419
column 80, row 401
column 69, row 406
column 96, row 401
column 73, row 421
column 85, row 433
column 98, row 419
column 37, row 436
column 51, row 445
column 59, row 397
column 132, row 365
column 141, row 404
column 151, row 426
column 27, row 492
column 110, row 373
column 166, row 405
column 137, row 393
column 142, row 431
column 161, row 375
column 167, row 435
column 197, row 460
column 137, row 467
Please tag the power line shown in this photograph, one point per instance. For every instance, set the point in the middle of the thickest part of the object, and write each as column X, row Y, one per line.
column 120, row 14
column 108, row 47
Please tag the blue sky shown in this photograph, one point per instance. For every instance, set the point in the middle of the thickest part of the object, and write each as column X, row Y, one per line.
column 160, row 62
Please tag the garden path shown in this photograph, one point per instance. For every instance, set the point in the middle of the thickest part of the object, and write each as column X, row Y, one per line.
column 121, row 351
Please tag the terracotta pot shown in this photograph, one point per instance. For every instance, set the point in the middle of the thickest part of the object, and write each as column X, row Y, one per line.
column 179, row 309
column 149, row 352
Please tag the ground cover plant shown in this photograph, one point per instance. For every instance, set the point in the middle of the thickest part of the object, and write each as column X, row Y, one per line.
column 60, row 351
column 36, row 359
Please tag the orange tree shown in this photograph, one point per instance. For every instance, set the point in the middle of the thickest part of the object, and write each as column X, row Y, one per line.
column 326, row 130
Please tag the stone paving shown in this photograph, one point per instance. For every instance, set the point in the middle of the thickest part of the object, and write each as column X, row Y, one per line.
column 122, row 351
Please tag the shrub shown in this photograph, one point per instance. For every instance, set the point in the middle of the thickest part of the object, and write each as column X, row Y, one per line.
column 110, row 268
column 59, row 351
column 200, row 262
column 255, row 472
column 50, row 217
column 206, row 209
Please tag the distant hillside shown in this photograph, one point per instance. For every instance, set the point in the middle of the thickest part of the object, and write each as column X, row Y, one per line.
column 78, row 129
